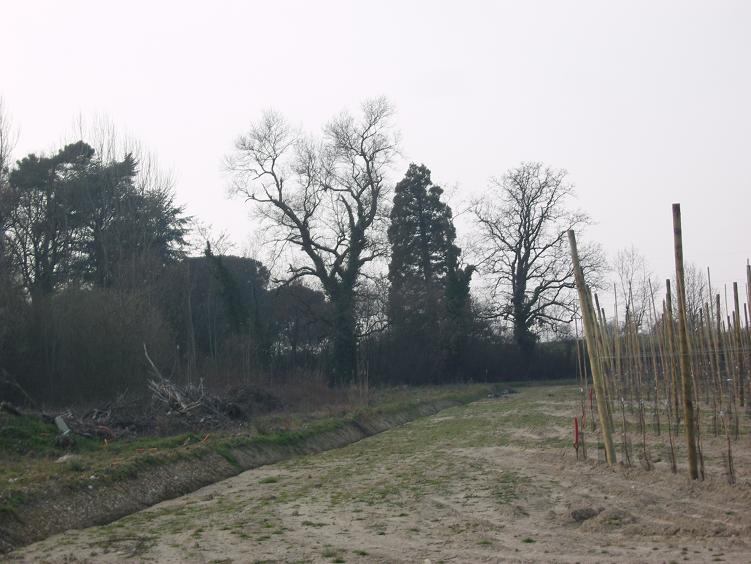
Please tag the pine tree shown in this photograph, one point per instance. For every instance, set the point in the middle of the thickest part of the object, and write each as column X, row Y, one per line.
column 74, row 218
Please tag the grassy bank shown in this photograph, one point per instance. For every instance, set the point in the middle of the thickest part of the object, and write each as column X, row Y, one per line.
column 34, row 471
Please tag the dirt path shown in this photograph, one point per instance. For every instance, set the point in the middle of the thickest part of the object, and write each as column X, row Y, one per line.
column 491, row 481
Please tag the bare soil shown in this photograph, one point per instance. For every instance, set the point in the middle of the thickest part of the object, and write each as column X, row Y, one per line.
column 492, row 481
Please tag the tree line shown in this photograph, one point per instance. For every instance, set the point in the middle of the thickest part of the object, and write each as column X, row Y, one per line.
column 95, row 265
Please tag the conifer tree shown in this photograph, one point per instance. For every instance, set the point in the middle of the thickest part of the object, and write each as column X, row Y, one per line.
column 429, row 294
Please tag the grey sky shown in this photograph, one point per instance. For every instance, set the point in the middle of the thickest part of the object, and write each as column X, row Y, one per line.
column 645, row 103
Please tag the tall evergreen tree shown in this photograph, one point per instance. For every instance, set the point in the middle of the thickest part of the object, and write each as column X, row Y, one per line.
column 429, row 294
column 124, row 230
column 42, row 218
column 74, row 218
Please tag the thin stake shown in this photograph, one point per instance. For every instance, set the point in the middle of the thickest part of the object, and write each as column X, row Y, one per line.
column 589, row 335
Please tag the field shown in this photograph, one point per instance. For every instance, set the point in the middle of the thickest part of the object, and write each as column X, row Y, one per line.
column 493, row 480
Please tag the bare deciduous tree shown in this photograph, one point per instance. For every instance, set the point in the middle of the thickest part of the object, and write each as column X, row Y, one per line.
column 523, row 222
column 697, row 293
column 8, row 139
column 635, row 284
column 326, row 199
column 7, row 143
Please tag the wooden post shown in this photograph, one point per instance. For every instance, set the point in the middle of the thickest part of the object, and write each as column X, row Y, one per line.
column 589, row 336
column 739, row 345
column 685, row 368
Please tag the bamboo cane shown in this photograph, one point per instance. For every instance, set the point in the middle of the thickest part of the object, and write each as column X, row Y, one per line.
column 671, row 348
column 589, row 335
column 714, row 365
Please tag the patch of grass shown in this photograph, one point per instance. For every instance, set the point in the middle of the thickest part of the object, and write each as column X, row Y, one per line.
column 225, row 452
column 28, row 435
column 9, row 503
column 507, row 486
column 334, row 553
column 75, row 465
column 528, row 540
column 151, row 443
column 269, row 480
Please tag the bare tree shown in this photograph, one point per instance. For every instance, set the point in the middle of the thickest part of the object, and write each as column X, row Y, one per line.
column 8, row 138
column 635, row 284
column 112, row 143
column 697, row 293
column 326, row 199
column 7, row 142
column 523, row 222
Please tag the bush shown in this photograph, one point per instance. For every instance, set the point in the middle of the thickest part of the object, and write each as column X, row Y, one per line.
column 88, row 344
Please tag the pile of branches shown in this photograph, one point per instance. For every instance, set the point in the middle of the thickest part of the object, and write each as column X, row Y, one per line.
column 178, row 399
column 191, row 400
column 111, row 421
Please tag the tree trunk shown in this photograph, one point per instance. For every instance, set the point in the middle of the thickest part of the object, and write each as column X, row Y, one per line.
column 523, row 337
column 345, row 339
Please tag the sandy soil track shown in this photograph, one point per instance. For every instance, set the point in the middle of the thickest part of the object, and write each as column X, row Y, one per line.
column 492, row 481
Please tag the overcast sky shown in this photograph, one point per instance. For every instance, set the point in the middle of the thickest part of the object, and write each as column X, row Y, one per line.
column 644, row 103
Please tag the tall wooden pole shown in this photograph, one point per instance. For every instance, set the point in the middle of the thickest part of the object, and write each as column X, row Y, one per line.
column 739, row 345
column 590, row 337
column 685, row 367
